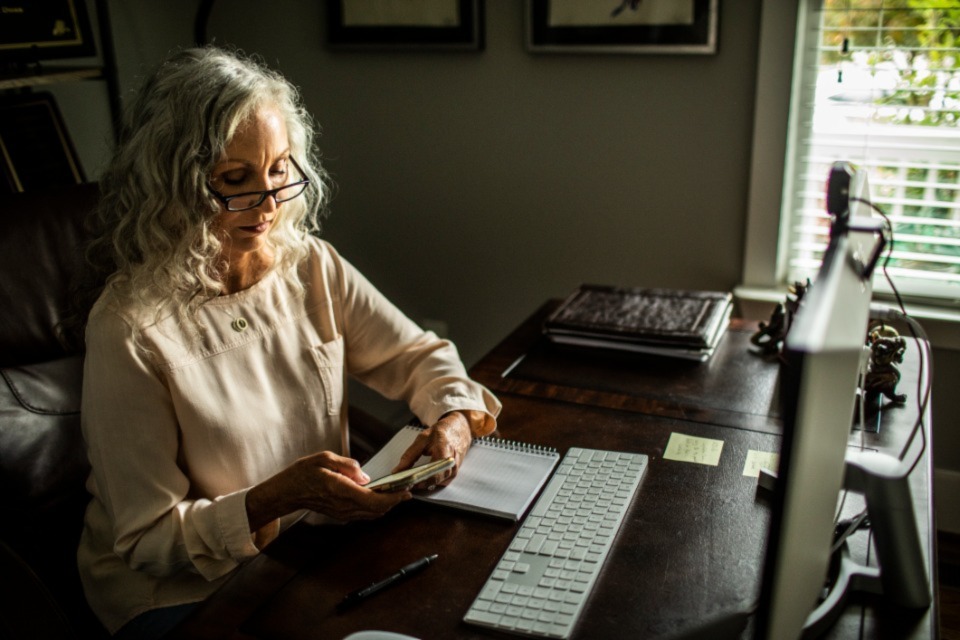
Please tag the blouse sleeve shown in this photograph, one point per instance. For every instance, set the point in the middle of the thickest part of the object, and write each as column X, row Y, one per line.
column 389, row 353
column 131, row 430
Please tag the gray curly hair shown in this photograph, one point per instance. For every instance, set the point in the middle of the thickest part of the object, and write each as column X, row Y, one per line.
column 155, row 217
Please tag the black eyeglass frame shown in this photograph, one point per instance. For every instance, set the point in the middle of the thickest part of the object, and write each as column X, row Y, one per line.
column 225, row 200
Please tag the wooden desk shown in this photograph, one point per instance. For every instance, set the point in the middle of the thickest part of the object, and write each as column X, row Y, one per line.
column 690, row 549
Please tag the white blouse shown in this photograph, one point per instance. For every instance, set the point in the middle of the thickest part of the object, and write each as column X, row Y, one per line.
column 179, row 426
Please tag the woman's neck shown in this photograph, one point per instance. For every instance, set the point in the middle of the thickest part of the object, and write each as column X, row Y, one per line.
column 245, row 270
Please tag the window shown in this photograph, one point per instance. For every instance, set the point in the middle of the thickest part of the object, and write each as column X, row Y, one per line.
column 877, row 83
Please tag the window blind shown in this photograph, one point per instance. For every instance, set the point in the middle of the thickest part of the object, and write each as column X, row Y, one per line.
column 877, row 83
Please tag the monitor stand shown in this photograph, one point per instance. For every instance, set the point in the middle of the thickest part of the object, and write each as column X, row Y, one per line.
column 901, row 576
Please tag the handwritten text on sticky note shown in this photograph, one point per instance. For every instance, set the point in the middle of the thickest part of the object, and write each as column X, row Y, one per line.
column 685, row 448
column 757, row 460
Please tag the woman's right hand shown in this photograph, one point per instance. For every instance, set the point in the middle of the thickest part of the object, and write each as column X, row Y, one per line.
column 323, row 482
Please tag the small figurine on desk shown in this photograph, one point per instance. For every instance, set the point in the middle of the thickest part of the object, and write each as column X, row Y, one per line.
column 886, row 352
column 794, row 295
column 771, row 334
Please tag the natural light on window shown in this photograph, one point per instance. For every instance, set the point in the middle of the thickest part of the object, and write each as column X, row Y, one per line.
column 877, row 83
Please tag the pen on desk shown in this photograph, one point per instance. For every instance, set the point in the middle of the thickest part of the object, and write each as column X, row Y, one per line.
column 361, row 594
column 512, row 366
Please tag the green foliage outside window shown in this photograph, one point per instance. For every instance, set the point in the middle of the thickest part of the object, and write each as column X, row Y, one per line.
column 918, row 38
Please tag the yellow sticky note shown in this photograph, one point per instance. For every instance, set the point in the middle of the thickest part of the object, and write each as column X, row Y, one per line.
column 757, row 460
column 685, row 448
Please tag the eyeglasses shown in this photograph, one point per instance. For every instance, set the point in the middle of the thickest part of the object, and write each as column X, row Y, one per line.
column 253, row 199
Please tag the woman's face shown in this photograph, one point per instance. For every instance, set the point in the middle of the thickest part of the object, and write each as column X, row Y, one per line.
column 257, row 159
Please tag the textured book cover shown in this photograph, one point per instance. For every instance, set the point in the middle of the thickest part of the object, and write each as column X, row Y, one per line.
column 664, row 317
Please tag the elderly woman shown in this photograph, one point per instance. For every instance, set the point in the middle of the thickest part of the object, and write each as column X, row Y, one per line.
column 214, row 405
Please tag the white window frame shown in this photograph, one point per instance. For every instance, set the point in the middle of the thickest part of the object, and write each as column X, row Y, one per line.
column 762, row 283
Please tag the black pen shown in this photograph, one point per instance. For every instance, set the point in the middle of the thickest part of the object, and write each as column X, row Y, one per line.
column 366, row 592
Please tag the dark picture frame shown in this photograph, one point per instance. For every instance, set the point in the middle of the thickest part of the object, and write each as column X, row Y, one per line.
column 440, row 25
column 50, row 30
column 622, row 26
column 35, row 147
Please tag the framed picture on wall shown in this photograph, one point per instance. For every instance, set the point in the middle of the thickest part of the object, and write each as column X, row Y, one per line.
column 35, row 31
column 35, row 149
column 424, row 25
column 622, row 26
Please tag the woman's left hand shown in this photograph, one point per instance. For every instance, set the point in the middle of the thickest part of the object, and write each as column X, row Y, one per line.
column 449, row 438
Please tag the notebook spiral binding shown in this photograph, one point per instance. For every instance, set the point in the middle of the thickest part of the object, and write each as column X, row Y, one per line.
column 503, row 443
column 513, row 445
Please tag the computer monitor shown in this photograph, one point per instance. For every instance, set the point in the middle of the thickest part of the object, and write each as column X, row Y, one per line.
column 824, row 352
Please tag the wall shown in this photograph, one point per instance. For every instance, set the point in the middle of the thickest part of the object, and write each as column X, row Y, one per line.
column 474, row 186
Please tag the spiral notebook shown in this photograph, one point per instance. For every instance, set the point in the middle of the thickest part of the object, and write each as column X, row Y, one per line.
column 498, row 477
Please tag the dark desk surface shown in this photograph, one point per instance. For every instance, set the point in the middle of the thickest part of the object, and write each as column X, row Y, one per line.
column 690, row 549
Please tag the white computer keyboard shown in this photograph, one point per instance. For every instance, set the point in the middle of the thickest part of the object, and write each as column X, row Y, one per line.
column 545, row 576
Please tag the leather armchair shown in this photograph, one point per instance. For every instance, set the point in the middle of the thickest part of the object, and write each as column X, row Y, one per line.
column 43, row 463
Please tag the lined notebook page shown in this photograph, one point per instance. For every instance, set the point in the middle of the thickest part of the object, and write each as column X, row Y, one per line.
column 498, row 477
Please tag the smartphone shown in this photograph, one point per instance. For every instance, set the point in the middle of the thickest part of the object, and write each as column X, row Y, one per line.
column 409, row 477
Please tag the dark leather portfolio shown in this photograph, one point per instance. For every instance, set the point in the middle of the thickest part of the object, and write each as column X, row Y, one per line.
column 663, row 319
